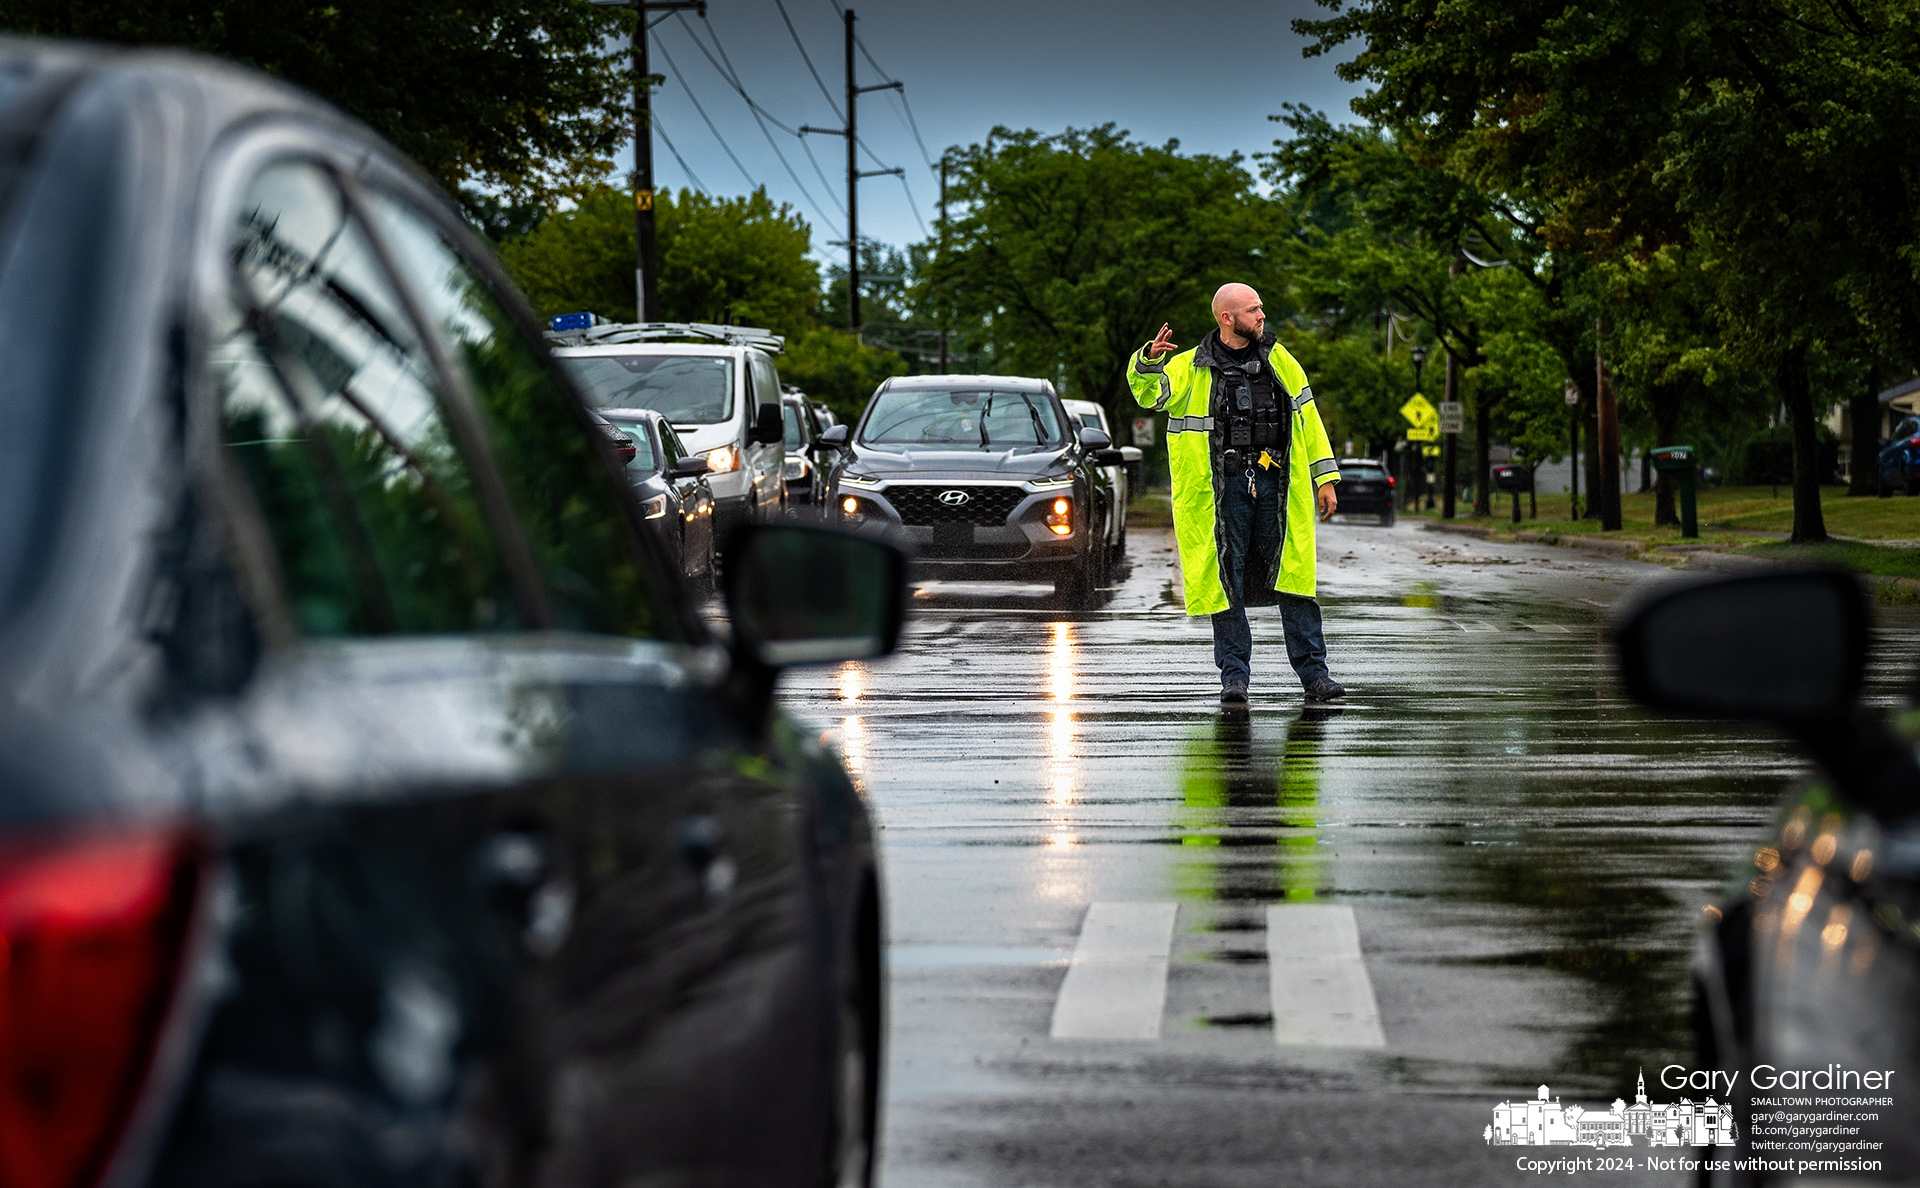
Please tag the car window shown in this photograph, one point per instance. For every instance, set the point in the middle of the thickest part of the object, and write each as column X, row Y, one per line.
column 568, row 502
column 688, row 389
column 671, row 450
column 1908, row 427
column 643, row 462
column 766, row 381
column 978, row 418
column 796, row 433
column 328, row 410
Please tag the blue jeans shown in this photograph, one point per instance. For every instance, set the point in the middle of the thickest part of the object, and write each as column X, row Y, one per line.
column 1247, row 522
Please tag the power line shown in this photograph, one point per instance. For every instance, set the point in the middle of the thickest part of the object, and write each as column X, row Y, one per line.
column 654, row 122
column 817, row 81
column 915, row 129
column 913, row 125
column 821, row 174
column 761, row 116
column 672, row 66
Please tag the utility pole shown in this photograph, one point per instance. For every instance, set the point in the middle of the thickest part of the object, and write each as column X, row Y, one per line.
column 854, row 174
column 943, row 254
column 1609, row 440
column 646, row 272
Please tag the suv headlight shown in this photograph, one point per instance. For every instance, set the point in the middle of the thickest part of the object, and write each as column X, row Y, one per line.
column 655, row 508
column 724, row 460
column 796, row 468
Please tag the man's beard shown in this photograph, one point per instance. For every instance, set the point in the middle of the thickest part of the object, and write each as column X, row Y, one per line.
column 1247, row 329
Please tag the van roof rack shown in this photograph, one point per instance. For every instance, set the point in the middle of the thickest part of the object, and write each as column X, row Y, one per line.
column 586, row 329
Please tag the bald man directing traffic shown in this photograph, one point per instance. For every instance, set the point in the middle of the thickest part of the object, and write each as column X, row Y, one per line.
column 1251, row 467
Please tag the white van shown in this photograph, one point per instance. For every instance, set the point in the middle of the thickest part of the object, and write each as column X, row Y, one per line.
column 715, row 384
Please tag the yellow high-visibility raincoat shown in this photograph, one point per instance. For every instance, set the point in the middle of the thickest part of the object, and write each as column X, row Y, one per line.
column 1182, row 387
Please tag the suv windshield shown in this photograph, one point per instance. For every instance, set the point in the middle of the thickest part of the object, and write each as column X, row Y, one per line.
column 978, row 418
column 686, row 389
column 643, row 461
column 1362, row 470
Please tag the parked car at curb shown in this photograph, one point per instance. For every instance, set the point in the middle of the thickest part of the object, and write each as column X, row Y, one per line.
column 1810, row 959
column 981, row 477
column 671, row 485
column 375, row 807
column 1366, row 489
column 1899, row 460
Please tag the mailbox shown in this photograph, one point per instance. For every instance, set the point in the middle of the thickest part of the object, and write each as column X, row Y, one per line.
column 1681, row 461
column 1509, row 477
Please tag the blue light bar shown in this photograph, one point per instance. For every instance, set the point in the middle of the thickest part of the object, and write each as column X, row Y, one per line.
column 573, row 321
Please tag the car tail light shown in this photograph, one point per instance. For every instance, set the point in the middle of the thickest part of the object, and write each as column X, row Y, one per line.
column 91, row 933
column 1389, row 480
column 1913, row 441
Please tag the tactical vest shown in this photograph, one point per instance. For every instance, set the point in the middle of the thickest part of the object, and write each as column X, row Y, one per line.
column 1255, row 413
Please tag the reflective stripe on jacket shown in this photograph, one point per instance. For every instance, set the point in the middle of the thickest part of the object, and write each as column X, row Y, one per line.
column 1183, row 389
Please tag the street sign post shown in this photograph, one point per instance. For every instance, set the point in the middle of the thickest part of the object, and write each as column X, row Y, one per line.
column 1143, row 431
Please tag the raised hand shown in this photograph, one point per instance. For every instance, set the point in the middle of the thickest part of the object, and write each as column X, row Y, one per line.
column 1162, row 342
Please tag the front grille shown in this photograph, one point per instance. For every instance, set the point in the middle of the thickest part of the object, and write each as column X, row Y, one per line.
column 986, row 506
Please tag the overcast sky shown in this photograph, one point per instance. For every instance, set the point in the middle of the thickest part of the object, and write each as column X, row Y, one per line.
column 1156, row 69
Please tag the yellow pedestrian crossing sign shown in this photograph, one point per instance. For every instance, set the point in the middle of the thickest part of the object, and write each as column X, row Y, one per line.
column 1422, row 417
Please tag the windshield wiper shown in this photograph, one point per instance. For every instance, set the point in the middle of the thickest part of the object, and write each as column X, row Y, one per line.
column 983, row 420
column 1033, row 414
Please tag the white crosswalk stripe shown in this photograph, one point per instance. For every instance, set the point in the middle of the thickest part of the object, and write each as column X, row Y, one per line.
column 1116, row 985
column 1321, row 993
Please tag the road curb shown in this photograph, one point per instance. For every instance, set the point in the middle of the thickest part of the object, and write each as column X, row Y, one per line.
column 1481, row 531
column 1600, row 544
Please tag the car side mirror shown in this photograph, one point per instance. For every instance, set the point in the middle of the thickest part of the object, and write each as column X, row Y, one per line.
column 770, row 428
column 690, row 468
column 802, row 595
column 1786, row 648
column 1095, row 439
column 835, row 438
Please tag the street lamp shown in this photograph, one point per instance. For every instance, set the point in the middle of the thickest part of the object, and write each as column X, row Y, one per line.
column 1419, row 354
column 646, row 274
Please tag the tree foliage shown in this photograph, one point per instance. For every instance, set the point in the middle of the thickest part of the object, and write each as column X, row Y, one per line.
column 514, row 98
column 1071, row 249
column 740, row 260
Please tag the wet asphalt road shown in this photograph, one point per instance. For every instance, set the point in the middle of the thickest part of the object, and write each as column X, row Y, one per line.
column 1523, row 856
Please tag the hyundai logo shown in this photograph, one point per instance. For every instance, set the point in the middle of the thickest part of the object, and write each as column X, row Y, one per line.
column 954, row 498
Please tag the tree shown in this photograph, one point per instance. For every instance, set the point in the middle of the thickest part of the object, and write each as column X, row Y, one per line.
column 515, row 98
column 1070, row 250
column 833, row 366
column 739, row 260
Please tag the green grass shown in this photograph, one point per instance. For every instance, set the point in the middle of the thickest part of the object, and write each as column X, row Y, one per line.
column 1880, row 560
column 1727, row 516
column 1151, row 508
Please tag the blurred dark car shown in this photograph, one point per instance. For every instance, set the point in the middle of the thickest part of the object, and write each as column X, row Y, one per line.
column 1366, row 489
column 671, row 485
column 375, row 809
column 1809, row 963
column 805, row 477
column 984, row 477
column 1900, row 460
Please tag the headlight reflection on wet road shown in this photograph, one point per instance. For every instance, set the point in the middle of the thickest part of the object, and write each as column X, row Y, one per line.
column 1062, row 766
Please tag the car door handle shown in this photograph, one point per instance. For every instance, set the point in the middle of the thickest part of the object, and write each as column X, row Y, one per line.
column 702, row 845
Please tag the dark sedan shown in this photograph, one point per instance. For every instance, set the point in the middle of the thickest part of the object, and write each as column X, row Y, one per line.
column 375, row 808
column 984, row 477
column 1366, row 489
column 672, row 489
